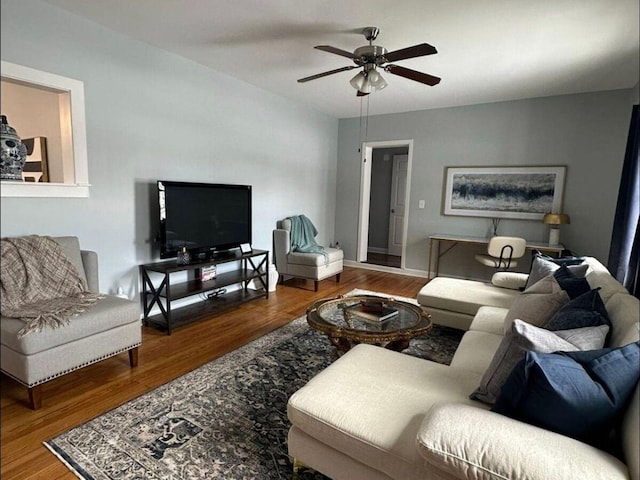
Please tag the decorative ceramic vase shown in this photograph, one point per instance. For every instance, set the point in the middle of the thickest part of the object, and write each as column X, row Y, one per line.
column 13, row 154
column 184, row 257
column 273, row 277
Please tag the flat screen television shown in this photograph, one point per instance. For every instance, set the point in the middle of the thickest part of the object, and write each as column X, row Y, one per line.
column 206, row 218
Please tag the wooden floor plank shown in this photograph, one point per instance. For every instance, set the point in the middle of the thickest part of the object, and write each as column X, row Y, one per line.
column 80, row 396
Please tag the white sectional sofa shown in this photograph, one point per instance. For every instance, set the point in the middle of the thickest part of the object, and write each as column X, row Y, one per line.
column 378, row 414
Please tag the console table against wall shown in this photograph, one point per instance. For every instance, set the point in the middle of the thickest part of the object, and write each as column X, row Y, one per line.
column 251, row 266
column 436, row 239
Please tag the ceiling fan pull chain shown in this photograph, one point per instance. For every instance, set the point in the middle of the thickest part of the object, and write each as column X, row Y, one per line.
column 366, row 128
column 360, row 133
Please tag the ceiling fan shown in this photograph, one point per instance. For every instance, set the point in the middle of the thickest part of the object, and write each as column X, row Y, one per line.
column 372, row 58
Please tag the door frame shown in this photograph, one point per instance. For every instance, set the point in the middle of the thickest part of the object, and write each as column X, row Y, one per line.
column 366, row 152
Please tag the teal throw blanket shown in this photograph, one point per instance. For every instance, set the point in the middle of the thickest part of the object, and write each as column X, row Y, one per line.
column 302, row 236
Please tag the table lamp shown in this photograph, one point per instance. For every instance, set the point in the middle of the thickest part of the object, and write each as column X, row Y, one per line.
column 555, row 219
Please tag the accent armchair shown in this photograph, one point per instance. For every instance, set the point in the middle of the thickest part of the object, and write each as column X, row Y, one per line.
column 110, row 327
column 311, row 266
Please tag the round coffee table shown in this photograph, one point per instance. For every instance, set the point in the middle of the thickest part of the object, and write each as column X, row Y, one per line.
column 349, row 320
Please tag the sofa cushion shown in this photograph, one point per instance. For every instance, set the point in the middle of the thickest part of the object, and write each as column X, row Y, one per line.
column 489, row 319
column 523, row 337
column 608, row 285
column 578, row 394
column 476, row 351
column 537, row 304
column 369, row 405
column 105, row 314
column 623, row 311
column 466, row 442
column 71, row 248
column 543, row 266
column 464, row 296
column 314, row 259
column 587, row 310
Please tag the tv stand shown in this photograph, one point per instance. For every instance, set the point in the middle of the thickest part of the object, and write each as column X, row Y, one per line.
column 250, row 266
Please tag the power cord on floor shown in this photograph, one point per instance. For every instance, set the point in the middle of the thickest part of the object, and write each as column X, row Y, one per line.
column 216, row 293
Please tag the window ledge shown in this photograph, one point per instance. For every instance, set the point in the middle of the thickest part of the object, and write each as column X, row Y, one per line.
column 31, row 189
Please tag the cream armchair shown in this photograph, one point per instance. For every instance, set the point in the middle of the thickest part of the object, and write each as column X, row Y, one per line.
column 110, row 327
column 311, row 266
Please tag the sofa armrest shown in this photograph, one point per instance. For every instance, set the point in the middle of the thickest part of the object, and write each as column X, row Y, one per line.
column 512, row 280
column 90, row 264
column 471, row 443
column 281, row 247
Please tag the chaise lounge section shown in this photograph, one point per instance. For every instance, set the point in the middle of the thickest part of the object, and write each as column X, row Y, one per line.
column 378, row 414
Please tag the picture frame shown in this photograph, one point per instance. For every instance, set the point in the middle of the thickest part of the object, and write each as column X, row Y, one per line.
column 525, row 193
column 36, row 167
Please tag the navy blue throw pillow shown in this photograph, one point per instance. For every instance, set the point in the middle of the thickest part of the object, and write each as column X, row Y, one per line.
column 566, row 260
column 582, row 395
column 587, row 310
column 574, row 286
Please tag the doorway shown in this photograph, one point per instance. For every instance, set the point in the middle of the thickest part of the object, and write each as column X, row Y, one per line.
column 384, row 196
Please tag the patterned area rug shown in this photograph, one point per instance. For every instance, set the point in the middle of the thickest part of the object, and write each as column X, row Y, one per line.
column 226, row 419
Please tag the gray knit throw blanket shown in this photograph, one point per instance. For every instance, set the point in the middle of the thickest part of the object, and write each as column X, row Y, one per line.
column 39, row 285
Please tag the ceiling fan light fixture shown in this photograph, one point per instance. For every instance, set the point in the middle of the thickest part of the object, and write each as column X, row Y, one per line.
column 368, row 82
column 377, row 81
column 372, row 58
column 358, row 81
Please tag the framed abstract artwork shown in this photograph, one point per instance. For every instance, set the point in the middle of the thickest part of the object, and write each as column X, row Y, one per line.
column 36, row 167
column 504, row 192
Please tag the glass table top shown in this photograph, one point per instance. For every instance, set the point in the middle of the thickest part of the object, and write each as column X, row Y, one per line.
column 360, row 314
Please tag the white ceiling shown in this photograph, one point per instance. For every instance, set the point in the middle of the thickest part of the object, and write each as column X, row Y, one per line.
column 488, row 50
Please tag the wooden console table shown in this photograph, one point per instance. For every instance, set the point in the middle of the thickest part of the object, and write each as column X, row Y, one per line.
column 436, row 239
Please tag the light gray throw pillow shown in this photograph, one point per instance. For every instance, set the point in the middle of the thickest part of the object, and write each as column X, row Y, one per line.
column 541, row 268
column 537, row 304
column 523, row 337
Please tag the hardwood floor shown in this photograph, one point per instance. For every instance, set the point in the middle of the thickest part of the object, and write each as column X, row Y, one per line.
column 75, row 398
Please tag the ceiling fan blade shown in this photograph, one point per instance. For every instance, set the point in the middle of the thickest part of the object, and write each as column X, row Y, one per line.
column 337, row 51
column 411, row 52
column 324, row 74
column 413, row 75
column 361, row 94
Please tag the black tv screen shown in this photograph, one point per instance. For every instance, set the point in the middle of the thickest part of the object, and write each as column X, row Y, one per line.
column 203, row 217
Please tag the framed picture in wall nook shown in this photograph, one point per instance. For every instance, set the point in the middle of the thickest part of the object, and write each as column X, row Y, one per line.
column 36, row 167
column 504, row 192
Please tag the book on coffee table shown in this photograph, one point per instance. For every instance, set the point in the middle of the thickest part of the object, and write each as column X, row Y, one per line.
column 386, row 313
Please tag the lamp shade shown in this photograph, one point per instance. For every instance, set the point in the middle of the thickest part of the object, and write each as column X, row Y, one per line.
column 357, row 82
column 556, row 219
column 377, row 81
column 368, row 81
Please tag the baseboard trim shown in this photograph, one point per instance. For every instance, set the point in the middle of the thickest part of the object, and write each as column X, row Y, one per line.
column 381, row 268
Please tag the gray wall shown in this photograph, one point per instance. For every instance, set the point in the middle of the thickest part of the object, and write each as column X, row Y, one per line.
column 585, row 132
column 153, row 115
